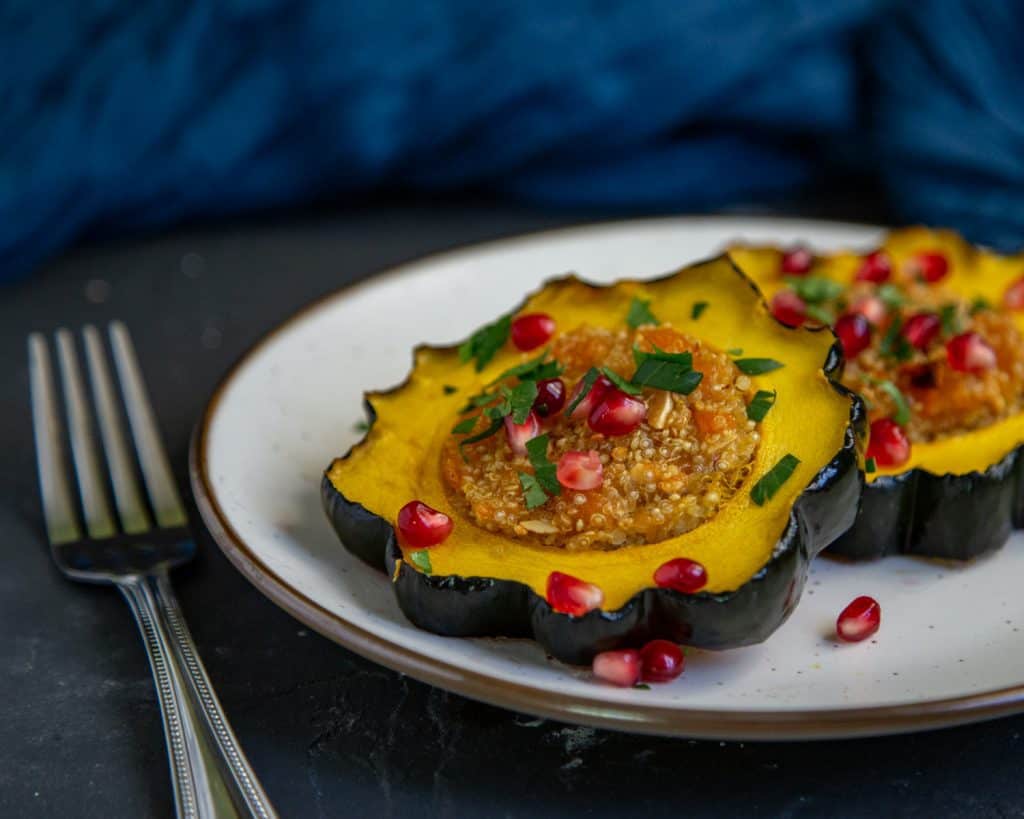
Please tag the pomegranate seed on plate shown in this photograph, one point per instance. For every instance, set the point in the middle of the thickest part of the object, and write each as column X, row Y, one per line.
column 661, row 661
column 921, row 329
column 1013, row 297
column 550, row 397
column 859, row 620
column 929, row 265
column 872, row 308
column 888, row 443
column 592, row 398
column 621, row 668
column 876, row 268
column 420, row 526
column 797, row 261
column 682, row 575
column 519, row 434
column 532, row 330
column 789, row 308
column 970, row 353
column 580, row 470
column 854, row 333
column 570, row 595
column 617, row 413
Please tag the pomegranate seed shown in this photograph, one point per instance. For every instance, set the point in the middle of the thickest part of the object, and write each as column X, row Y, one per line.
column 1013, row 298
column 930, row 266
column 550, row 397
column 854, row 333
column 661, row 661
column 532, row 330
column 617, row 413
column 519, row 434
column 970, row 353
column 572, row 596
column 797, row 261
column 592, row 398
column 872, row 308
column 859, row 620
column 789, row 308
column 621, row 668
column 888, row 443
column 420, row 526
column 681, row 575
column 921, row 329
column 876, row 268
column 580, row 470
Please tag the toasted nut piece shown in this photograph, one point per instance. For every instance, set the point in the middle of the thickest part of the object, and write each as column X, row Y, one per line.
column 540, row 527
column 659, row 408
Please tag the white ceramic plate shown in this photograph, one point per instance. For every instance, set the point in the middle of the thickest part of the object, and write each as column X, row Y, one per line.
column 951, row 647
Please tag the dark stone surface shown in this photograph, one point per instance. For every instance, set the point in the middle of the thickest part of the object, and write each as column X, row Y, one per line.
column 330, row 733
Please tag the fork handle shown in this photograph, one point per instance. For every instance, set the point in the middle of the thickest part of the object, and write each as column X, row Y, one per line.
column 210, row 774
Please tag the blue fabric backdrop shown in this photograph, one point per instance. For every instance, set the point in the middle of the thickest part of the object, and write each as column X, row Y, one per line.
column 118, row 115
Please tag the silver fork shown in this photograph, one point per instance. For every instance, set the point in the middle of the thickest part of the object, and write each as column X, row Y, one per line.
column 210, row 774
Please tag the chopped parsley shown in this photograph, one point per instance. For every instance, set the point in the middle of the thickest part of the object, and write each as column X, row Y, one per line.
column 361, row 426
column 772, row 480
column 902, row 414
column 640, row 313
column 543, row 469
column 519, row 400
column 950, row 317
column 891, row 296
column 820, row 313
column 448, row 389
column 666, row 371
column 536, row 369
column 533, row 492
column 621, row 382
column 757, row 366
column 735, row 351
column 814, row 289
column 979, row 304
column 485, row 342
column 642, row 687
column 869, row 466
column 496, row 424
column 894, row 345
column 421, row 560
column 698, row 308
column 586, row 384
column 759, row 405
column 464, row 426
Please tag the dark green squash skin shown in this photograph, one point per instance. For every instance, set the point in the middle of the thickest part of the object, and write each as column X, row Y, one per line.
column 457, row 606
column 954, row 517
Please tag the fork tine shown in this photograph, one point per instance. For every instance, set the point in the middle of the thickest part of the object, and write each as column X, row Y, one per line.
column 156, row 470
column 58, row 504
column 130, row 506
column 99, row 521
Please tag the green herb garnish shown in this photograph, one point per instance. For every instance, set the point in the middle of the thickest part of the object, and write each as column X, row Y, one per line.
column 894, row 345
column 642, row 687
column 448, row 389
column 770, row 483
column 666, row 371
column 496, row 424
column 485, row 342
column 820, row 314
column 814, row 289
column 640, row 313
column 421, row 560
column 533, row 492
column 757, row 366
column 543, row 469
column 949, row 314
column 587, row 383
column 465, row 426
column 979, row 304
column 869, row 466
column 735, row 351
column 759, row 405
column 520, row 400
column 536, row 369
column 698, row 308
column 902, row 415
column 361, row 426
column 891, row 296
column 621, row 382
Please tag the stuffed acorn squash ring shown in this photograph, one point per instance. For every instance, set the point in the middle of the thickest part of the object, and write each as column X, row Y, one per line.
column 933, row 335
column 608, row 465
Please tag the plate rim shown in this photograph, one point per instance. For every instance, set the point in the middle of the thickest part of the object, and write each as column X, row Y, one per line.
column 636, row 717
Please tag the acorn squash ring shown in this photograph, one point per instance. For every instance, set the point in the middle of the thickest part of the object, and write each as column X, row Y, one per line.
column 363, row 490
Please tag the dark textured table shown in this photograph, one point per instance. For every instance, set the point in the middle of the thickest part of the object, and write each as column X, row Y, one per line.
column 330, row 733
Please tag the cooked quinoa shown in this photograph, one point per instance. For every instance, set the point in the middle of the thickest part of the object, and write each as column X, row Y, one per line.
column 666, row 477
